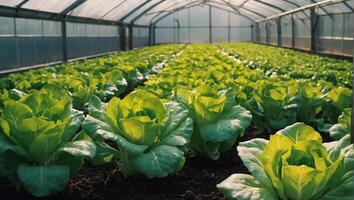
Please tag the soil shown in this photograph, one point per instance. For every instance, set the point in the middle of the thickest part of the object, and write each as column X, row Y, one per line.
column 196, row 181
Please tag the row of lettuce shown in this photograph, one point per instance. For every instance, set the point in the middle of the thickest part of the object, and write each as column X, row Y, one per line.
column 106, row 77
column 201, row 101
column 295, row 163
column 291, row 63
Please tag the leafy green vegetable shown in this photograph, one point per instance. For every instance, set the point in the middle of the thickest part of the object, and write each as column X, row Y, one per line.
column 218, row 120
column 151, row 135
column 293, row 165
column 37, row 149
column 338, row 131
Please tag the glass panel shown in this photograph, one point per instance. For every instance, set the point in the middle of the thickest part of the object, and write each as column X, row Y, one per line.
column 55, row 6
column 10, row 3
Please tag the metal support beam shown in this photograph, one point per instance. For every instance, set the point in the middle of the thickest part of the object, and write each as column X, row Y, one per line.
column 134, row 10
column 64, row 41
column 293, row 31
column 267, row 31
column 313, row 25
column 123, row 38
column 154, row 35
column 228, row 27
column 279, row 32
column 271, row 5
column 252, row 33
column 131, row 42
column 33, row 14
column 210, row 26
column 314, row 5
column 150, row 35
column 112, row 9
column 22, row 3
column 146, row 11
column 72, row 7
column 323, row 10
column 352, row 113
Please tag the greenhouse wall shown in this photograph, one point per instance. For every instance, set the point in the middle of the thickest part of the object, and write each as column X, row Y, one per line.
column 140, row 37
column 90, row 39
column 26, row 42
column 333, row 32
column 203, row 24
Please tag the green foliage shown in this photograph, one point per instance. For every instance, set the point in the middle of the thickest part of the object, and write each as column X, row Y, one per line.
column 218, row 121
column 151, row 136
column 37, row 149
column 293, row 165
column 340, row 130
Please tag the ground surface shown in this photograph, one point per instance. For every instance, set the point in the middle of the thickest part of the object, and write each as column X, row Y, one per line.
column 196, row 181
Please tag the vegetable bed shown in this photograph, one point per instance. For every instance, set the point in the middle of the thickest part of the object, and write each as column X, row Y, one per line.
column 197, row 180
column 179, row 122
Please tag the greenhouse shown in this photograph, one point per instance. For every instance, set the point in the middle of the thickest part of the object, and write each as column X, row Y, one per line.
column 177, row 99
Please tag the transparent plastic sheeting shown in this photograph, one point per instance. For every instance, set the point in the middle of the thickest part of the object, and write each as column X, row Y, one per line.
column 40, row 41
column 145, row 12
column 334, row 34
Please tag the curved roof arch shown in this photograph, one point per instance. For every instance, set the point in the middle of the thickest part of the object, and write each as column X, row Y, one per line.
column 134, row 11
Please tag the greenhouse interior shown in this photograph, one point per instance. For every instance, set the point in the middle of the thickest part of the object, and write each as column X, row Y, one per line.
column 176, row 99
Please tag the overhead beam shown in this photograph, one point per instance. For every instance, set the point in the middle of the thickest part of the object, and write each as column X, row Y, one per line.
column 323, row 10
column 22, row 3
column 160, row 15
column 33, row 14
column 72, row 7
column 270, row 5
column 167, row 13
column 134, row 10
column 146, row 11
column 239, row 7
column 112, row 9
column 314, row 5
column 236, row 10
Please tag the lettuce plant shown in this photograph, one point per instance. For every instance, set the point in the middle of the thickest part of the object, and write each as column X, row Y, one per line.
column 151, row 135
column 337, row 100
column 293, row 165
column 338, row 131
column 37, row 145
column 218, row 120
column 271, row 106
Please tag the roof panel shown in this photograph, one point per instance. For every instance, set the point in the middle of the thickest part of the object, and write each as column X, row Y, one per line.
column 10, row 3
column 55, row 6
column 97, row 8
column 123, row 9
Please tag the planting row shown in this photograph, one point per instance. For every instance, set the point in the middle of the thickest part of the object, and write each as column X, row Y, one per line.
column 202, row 102
column 275, row 102
column 106, row 77
column 289, row 63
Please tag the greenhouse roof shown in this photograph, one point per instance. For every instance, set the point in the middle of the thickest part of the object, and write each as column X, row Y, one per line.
column 146, row 12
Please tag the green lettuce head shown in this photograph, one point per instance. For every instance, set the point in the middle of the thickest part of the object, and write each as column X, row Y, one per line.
column 294, row 164
column 219, row 121
column 37, row 145
column 340, row 130
column 151, row 135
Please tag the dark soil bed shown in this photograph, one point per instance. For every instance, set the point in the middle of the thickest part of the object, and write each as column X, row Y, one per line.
column 197, row 180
